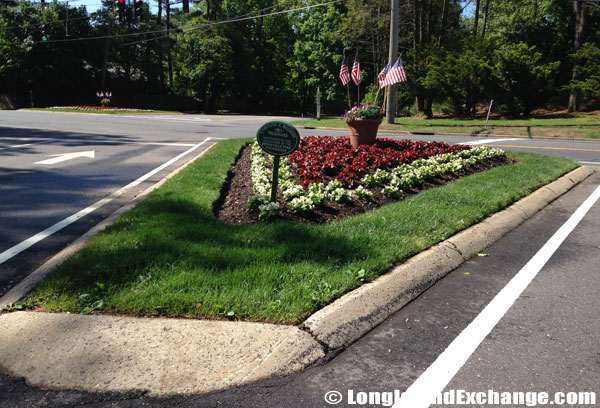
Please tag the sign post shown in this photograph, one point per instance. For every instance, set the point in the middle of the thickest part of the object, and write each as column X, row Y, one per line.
column 279, row 139
column 318, row 103
column 488, row 115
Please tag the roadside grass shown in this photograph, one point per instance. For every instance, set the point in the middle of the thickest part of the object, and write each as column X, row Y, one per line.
column 580, row 126
column 103, row 112
column 171, row 256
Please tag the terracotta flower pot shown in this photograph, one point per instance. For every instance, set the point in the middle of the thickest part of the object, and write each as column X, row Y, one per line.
column 363, row 131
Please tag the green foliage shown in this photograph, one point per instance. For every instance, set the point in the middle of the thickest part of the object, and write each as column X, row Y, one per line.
column 589, row 85
column 276, row 63
column 524, row 80
column 205, row 65
column 316, row 56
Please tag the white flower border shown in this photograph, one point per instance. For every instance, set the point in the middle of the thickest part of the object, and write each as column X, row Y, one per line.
column 394, row 182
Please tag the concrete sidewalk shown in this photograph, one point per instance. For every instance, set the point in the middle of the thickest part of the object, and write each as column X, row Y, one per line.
column 184, row 356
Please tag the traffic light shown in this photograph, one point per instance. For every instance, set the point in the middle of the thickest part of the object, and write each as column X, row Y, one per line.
column 137, row 10
column 44, row 34
column 121, row 9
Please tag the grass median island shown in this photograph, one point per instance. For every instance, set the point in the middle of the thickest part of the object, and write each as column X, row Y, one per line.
column 570, row 126
column 171, row 256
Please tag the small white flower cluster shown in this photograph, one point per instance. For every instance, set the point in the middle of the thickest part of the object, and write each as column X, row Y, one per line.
column 261, row 178
column 260, row 172
column 362, row 193
column 269, row 211
column 415, row 174
column 394, row 182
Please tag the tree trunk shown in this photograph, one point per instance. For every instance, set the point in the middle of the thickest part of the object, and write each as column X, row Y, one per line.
column 428, row 108
column 429, row 21
column 579, row 15
column 186, row 6
column 421, row 23
column 416, row 24
column 443, row 24
column 485, row 18
column 419, row 104
column 476, row 19
column 159, row 15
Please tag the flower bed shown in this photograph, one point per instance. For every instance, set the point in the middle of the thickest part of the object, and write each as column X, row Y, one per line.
column 330, row 171
column 321, row 159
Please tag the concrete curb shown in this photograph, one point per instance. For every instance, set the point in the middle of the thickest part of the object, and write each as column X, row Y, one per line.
column 30, row 282
column 348, row 318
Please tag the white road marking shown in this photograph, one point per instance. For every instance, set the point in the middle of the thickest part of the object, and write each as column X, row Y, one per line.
column 484, row 141
column 422, row 393
column 96, row 141
column 59, row 158
column 29, row 242
column 118, row 142
column 174, row 118
column 593, row 163
column 24, row 145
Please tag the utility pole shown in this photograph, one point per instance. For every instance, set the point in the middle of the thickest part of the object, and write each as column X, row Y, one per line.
column 390, row 112
column 169, row 58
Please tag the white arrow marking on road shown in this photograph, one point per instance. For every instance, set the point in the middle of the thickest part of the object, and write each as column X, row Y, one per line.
column 484, row 141
column 67, row 156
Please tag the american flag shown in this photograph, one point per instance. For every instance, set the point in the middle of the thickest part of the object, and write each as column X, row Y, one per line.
column 344, row 74
column 381, row 76
column 395, row 74
column 356, row 71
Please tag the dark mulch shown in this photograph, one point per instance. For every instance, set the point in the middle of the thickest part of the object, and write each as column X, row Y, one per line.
column 237, row 190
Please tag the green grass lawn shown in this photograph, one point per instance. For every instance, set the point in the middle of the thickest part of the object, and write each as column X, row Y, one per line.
column 102, row 112
column 575, row 125
column 171, row 256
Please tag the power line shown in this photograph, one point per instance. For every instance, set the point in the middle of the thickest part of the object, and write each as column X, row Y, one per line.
column 189, row 29
column 233, row 20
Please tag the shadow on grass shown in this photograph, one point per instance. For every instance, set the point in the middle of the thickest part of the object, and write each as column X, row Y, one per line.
column 169, row 254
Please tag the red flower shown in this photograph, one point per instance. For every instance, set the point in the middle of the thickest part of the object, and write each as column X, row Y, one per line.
column 323, row 158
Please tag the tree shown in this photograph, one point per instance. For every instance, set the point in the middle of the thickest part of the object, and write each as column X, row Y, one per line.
column 204, row 65
column 316, row 58
column 588, row 72
column 524, row 80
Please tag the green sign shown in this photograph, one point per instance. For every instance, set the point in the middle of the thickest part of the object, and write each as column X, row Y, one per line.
column 278, row 138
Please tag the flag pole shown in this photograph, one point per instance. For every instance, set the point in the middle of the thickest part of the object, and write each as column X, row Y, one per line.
column 358, row 85
column 348, row 88
column 384, row 97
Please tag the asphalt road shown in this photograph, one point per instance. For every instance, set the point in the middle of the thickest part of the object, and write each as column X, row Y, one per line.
column 546, row 342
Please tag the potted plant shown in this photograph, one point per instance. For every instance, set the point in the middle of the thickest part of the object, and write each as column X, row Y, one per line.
column 363, row 121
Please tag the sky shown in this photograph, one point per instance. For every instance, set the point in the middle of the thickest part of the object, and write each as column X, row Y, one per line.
column 93, row 5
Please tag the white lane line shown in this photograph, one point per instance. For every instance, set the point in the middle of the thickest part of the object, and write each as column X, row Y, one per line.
column 175, row 118
column 422, row 393
column 587, row 162
column 119, row 142
column 29, row 242
column 24, row 145
column 484, row 141
column 100, row 141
